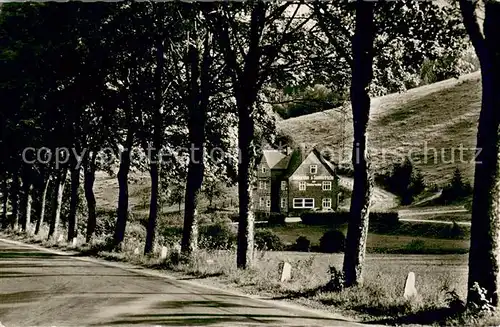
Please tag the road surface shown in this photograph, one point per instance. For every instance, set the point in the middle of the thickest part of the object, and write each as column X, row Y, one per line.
column 49, row 288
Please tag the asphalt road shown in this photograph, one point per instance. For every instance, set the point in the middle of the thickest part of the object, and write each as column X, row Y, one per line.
column 49, row 288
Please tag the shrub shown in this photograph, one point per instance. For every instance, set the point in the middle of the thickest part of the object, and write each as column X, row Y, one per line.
column 105, row 222
column 302, row 244
column 218, row 236
column 310, row 100
column 171, row 235
column 267, row 240
column 276, row 219
column 457, row 231
column 456, row 190
column 135, row 231
column 384, row 221
column 261, row 216
column 97, row 245
column 403, row 180
column 336, row 282
column 325, row 218
column 333, row 241
column 170, row 218
column 216, row 216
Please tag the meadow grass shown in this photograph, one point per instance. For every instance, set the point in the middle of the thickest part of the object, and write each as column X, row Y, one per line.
column 432, row 238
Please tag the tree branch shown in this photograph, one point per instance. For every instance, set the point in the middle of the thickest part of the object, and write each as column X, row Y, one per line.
column 468, row 9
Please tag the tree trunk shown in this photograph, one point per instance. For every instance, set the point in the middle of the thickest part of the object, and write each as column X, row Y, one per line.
column 153, row 208
column 190, row 231
column 5, row 202
column 245, row 246
column 196, row 124
column 42, row 202
column 246, row 88
column 88, row 185
column 484, row 254
column 122, row 211
column 72, row 218
column 362, row 48
column 15, row 201
column 57, row 206
column 29, row 203
column 26, row 204
column 23, row 201
column 157, row 142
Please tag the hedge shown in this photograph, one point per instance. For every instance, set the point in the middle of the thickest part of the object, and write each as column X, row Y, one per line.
column 266, row 240
column 324, row 218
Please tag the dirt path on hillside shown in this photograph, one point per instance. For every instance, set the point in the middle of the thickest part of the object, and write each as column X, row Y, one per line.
column 381, row 199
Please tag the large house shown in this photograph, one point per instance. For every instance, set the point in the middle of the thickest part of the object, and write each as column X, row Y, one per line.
column 292, row 182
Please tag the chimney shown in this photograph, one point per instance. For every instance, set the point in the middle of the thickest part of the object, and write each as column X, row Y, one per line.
column 303, row 150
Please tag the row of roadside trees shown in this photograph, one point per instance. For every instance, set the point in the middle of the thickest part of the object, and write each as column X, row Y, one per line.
column 185, row 78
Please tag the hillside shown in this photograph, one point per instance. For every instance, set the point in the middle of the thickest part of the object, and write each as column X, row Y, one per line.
column 441, row 116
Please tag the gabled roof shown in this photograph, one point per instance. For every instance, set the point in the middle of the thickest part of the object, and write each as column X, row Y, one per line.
column 277, row 160
column 296, row 160
column 283, row 164
column 328, row 165
column 273, row 157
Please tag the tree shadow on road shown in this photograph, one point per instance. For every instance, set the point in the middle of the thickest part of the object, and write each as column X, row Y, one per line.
column 202, row 319
column 203, row 304
column 16, row 254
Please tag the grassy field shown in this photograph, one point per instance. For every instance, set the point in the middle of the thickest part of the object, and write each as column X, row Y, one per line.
column 106, row 193
column 408, row 237
column 441, row 116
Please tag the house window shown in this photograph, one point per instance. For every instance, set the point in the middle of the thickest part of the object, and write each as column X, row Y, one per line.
column 263, row 185
column 327, row 203
column 261, row 202
column 283, row 185
column 302, row 186
column 264, row 169
column 327, row 186
column 303, row 203
column 313, row 169
column 268, row 203
column 308, row 203
column 283, row 202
